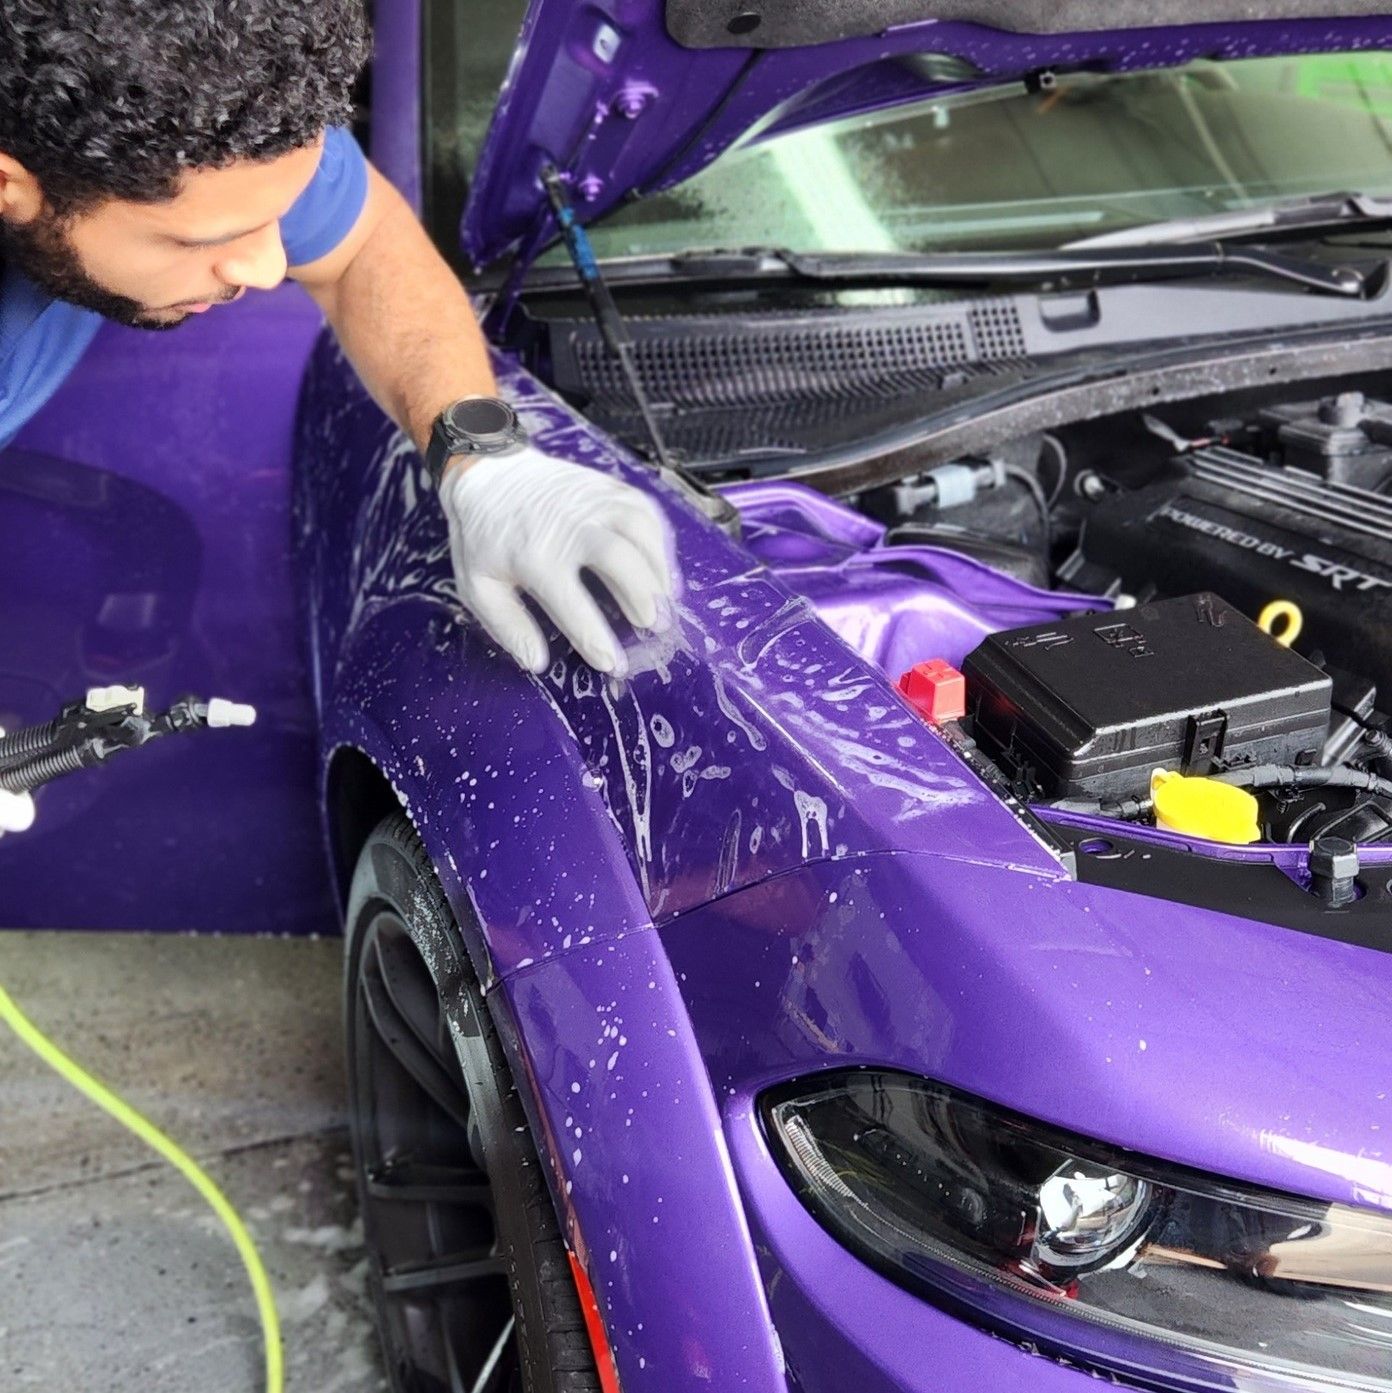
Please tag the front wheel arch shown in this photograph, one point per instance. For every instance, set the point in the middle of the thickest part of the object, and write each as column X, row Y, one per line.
column 358, row 796
column 400, row 936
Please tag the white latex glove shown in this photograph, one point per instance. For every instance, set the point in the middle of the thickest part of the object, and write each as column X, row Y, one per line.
column 525, row 521
column 16, row 809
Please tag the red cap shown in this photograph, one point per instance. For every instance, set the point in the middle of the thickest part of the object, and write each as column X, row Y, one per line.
column 936, row 690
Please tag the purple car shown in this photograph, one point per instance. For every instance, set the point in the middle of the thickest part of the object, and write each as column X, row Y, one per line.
column 956, row 958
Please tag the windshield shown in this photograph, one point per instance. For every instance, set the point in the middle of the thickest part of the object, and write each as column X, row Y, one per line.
column 1003, row 168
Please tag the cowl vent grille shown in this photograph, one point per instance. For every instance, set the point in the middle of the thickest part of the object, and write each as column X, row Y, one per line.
column 766, row 360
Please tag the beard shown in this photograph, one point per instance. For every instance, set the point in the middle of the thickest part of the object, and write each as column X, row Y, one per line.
column 41, row 250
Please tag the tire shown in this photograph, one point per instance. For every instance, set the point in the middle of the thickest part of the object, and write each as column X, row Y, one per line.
column 468, row 1272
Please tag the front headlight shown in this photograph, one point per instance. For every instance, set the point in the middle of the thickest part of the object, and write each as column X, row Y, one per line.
column 1129, row 1265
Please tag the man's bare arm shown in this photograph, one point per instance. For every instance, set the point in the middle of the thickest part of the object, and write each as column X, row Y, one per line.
column 520, row 523
column 400, row 313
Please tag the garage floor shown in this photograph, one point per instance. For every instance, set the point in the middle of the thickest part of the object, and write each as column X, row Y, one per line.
column 114, row 1276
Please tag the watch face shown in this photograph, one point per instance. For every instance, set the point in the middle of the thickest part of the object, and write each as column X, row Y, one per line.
column 482, row 416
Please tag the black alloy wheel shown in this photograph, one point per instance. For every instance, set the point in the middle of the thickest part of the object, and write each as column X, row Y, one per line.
column 468, row 1271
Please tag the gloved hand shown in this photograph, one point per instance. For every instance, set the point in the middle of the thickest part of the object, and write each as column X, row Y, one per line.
column 16, row 809
column 525, row 521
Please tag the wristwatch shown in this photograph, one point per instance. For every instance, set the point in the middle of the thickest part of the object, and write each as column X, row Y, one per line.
column 471, row 426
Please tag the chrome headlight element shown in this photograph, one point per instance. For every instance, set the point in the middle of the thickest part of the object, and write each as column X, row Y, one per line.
column 1088, row 1213
column 1131, row 1265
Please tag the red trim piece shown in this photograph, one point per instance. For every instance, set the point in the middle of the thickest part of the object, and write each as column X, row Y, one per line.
column 594, row 1327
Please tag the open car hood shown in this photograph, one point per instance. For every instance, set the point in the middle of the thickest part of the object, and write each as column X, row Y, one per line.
column 626, row 97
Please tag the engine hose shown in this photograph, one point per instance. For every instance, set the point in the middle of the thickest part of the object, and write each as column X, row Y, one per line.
column 1122, row 810
column 68, row 1069
column 1031, row 485
column 1279, row 776
column 1379, row 750
column 20, row 778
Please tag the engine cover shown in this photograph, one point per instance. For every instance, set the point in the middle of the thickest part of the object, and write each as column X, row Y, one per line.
column 1223, row 520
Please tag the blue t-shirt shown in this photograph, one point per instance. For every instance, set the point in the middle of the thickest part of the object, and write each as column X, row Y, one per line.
column 41, row 339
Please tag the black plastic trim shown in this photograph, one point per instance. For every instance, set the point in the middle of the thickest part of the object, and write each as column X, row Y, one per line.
column 444, row 185
column 1245, row 889
column 983, row 421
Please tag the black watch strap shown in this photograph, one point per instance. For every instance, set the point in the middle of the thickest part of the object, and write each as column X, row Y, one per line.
column 471, row 426
column 437, row 455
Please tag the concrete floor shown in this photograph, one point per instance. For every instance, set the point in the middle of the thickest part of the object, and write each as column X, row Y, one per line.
column 114, row 1275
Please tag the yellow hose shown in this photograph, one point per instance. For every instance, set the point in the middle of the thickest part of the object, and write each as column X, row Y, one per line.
column 127, row 1116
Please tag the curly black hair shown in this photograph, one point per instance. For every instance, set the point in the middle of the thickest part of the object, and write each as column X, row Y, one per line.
column 115, row 98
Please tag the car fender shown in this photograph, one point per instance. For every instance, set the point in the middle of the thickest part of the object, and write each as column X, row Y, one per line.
column 523, row 843
column 749, row 740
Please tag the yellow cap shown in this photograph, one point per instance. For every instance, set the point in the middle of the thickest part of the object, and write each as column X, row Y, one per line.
column 1285, row 613
column 1204, row 808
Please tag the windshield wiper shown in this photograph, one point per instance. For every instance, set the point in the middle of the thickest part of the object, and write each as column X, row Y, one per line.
column 1105, row 266
column 1331, row 210
column 1101, row 267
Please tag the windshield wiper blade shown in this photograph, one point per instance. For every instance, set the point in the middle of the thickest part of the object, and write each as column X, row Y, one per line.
column 1303, row 214
column 1103, row 266
column 1097, row 267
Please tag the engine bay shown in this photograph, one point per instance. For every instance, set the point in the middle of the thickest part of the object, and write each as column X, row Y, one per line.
column 1174, row 619
column 1246, row 564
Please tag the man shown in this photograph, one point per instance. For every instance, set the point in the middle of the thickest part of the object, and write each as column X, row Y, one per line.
column 159, row 158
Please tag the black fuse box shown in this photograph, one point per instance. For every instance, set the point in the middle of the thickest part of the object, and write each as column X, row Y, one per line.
column 1088, row 706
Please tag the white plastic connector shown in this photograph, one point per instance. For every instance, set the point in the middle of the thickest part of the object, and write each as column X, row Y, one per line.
column 109, row 698
column 222, row 712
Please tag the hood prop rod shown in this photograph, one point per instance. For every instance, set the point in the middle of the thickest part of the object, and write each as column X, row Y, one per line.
column 619, row 342
column 617, row 339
